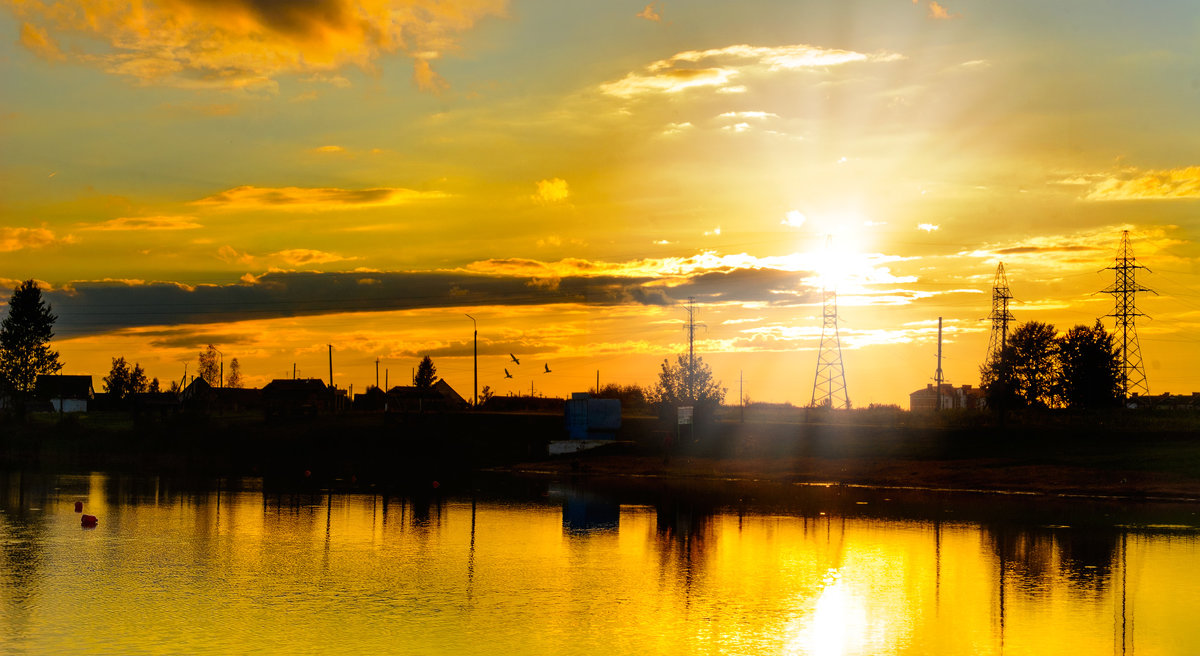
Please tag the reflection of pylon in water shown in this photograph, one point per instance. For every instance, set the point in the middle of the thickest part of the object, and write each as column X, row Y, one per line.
column 829, row 385
column 1000, row 316
column 1124, row 289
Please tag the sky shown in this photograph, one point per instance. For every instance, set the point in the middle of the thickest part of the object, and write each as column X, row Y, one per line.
column 276, row 178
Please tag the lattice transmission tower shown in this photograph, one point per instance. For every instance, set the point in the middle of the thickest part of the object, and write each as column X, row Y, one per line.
column 1124, row 290
column 1000, row 316
column 829, row 384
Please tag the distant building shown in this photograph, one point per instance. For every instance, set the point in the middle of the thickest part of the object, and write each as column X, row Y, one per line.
column 65, row 393
column 592, row 419
column 951, row 398
column 298, row 397
column 439, row 398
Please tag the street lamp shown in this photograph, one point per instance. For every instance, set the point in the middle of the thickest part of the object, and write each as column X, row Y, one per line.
column 476, row 325
column 222, row 381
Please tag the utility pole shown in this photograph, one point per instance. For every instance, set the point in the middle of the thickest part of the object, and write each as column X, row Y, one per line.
column 741, row 396
column 473, row 322
column 385, row 378
column 293, row 371
column 376, row 373
column 330, row 366
column 938, row 376
column 597, row 381
column 691, row 363
column 1124, row 290
column 829, row 383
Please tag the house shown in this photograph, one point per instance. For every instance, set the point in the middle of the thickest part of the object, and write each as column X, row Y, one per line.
column 289, row 397
column 965, row 397
column 65, row 393
column 439, row 398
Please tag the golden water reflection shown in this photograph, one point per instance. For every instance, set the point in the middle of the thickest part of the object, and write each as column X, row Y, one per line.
column 558, row 570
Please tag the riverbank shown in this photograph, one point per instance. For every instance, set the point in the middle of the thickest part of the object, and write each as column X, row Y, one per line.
column 1129, row 458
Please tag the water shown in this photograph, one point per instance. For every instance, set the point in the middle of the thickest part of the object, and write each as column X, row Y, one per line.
column 532, row 567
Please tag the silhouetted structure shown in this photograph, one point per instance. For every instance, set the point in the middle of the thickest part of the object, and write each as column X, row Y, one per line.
column 438, row 398
column 65, row 393
column 1000, row 316
column 951, row 397
column 1124, row 291
column 829, row 384
column 287, row 397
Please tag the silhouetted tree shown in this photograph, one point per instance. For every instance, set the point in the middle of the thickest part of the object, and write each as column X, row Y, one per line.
column 632, row 397
column 688, row 382
column 235, row 375
column 209, row 369
column 1089, row 372
column 154, row 387
column 175, row 388
column 1034, row 363
column 486, row 394
column 425, row 374
column 124, row 381
column 25, row 336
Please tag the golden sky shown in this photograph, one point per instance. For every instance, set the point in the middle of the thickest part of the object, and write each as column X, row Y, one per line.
column 273, row 178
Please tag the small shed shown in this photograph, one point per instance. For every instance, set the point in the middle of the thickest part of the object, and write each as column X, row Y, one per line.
column 592, row 419
column 65, row 393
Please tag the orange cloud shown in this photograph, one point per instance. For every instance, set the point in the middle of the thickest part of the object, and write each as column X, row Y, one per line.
column 719, row 67
column 313, row 199
column 649, row 13
column 146, row 223
column 552, row 191
column 15, row 239
column 938, row 12
column 304, row 256
column 39, row 42
column 245, row 44
column 1132, row 184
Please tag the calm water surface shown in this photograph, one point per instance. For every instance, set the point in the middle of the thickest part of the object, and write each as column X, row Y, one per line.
column 552, row 568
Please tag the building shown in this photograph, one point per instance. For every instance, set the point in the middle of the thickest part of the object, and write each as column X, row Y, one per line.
column 300, row 396
column 952, row 398
column 65, row 393
column 439, row 398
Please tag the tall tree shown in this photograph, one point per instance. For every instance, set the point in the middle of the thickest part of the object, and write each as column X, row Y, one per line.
column 208, row 369
column 1089, row 374
column 123, row 381
column 25, row 336
column 688, row 382
column 235, row 375
column 425, row 374
column 1031, row 360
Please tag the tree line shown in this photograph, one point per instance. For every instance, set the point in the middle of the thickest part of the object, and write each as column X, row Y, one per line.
column 1040, row 369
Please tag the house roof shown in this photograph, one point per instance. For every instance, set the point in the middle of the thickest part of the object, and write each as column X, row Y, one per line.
column 67, row 387
column 292, row 385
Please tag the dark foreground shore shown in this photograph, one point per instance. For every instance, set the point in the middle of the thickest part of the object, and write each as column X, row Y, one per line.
column 1132, row 460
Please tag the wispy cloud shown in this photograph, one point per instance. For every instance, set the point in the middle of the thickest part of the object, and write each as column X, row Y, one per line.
column 146, row 223
column 719, row 68
column 650, row 14
column 938, row 12
column 15, row 239
column 246, row 44
column 308, row 256
column 554, row 190
column 312, row 199
column 1137, row 184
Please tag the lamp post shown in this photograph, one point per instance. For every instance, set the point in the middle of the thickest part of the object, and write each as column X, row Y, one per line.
column 476, row 336
column 221, row 382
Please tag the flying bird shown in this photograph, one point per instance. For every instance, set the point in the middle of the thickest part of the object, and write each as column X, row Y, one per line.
column 547, row 367
column 514, row 358
column 506, row 374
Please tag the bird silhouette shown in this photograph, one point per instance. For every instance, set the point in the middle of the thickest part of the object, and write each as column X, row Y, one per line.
column 514, row 358
column 506, row 374
column 547, row 367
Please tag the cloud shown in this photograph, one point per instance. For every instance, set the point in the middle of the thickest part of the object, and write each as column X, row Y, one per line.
column 329, row 149
column 794, row 219
column 1135, row 184
column 552, row 191
column 230, row 254
column 306, row 256
column 718, row 68
column 313, row 199
column 650, row 14
column 938, row 12
column 750, row 115
column 929, row 227
column 146, row 223
column 15, row 239
column 39, row 42
column 246, row 44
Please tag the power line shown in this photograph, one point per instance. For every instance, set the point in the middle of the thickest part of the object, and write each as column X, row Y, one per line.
column 1124, row 291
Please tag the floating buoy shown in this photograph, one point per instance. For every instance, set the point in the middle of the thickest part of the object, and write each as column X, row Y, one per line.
column 436, row 485
column 88, row 520
column 307, row 473
column 78, row 506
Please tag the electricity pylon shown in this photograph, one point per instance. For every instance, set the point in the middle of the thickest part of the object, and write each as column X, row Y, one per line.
column 829, row 384
column 1124, row 290
column 1000, row 316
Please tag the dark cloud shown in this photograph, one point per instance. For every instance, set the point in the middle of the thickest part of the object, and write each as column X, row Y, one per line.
column 97, row 307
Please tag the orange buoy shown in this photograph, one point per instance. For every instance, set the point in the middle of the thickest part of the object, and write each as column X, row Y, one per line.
column 78, row 506
column 88, row 520
column 436, row 485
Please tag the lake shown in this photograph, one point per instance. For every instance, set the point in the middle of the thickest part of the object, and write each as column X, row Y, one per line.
column 619, row 566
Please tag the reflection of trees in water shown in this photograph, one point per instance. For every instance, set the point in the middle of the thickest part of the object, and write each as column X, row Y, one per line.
column 683, row 533
column 1082, row 555
column 22, row 544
